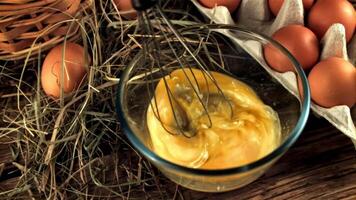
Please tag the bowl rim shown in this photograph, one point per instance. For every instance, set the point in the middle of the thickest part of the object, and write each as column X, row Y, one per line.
column 276, row 153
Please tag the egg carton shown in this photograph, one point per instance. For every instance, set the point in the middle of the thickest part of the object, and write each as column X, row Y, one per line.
column 255, row 15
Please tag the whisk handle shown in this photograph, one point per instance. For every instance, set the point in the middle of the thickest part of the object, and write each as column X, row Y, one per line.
column 141, row 5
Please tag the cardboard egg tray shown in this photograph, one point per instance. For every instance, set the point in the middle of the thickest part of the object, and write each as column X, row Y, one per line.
column 255, row 15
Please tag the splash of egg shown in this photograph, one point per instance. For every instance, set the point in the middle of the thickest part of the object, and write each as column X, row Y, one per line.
column 72, row 64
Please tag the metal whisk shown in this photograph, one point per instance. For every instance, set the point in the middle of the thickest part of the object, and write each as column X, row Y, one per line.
column 165, row 48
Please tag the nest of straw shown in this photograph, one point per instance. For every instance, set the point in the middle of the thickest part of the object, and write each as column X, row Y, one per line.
column 73, row 148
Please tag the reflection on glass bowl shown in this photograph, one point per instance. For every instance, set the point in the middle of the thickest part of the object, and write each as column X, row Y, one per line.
column 139, row 81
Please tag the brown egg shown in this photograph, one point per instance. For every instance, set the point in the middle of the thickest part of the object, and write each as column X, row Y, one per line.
column 75, row 63
column 327, row 12
column 126, row 6
column 231, row 5
column 300, row 42
column 333, row 82
column 275, row 5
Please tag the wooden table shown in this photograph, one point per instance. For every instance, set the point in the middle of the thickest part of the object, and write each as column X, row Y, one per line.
column 321, row 165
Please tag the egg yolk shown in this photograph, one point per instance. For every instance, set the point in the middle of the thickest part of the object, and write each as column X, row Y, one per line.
column 210, row 121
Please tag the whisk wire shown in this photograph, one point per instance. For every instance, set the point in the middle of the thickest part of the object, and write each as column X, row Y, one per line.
column 201, row 64
column 156, row 62
column 152, row 49
column 196, row 87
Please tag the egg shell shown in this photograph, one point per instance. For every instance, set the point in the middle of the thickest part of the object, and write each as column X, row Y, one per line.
column 74, row 69
column 275, row 5
column 230, row 4
column 300, row 42
column 126, row 6
column 333, row 82
column 327, row 12
column 254, row 15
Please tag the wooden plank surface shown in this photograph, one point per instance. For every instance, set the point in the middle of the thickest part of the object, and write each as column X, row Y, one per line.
column 321, row 165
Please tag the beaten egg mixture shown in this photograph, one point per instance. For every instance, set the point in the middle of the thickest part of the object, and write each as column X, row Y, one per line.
column 233, row 129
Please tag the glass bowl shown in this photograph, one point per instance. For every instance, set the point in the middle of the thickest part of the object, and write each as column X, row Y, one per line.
column 134, row 97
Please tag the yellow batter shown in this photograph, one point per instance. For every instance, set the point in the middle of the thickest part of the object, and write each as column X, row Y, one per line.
column 241, row 128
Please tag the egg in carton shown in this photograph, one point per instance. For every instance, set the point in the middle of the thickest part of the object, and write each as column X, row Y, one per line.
column 255, row 15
